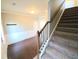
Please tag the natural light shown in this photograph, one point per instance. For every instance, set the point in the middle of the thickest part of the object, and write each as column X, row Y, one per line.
column 71, row 3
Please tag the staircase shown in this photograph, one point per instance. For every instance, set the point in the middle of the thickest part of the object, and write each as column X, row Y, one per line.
column 64, row 41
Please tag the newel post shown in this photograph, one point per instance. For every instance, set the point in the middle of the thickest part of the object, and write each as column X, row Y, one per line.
column 38, row 37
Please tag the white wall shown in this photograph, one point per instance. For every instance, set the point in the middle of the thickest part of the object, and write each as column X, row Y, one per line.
column 23, row 29
column 3, row 43
column 54, row 7
column 26, row 26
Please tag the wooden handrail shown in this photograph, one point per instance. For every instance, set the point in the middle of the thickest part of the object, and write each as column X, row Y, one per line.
column 49, row 21
column 44, row 26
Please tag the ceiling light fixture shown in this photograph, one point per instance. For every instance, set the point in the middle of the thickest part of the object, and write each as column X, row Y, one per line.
column 32, row 12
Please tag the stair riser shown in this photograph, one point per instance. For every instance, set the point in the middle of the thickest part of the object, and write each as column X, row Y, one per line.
column 67, row 18
column 67, row 36
column 67, row 30
column 68, row 26
column 69, row 21
column 69, row 15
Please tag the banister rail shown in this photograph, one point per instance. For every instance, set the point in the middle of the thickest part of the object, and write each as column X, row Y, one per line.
column 50, row 20
column 45, row 35
column 44, row 26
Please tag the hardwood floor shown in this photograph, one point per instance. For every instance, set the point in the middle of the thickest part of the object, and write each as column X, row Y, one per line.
column 26, row 49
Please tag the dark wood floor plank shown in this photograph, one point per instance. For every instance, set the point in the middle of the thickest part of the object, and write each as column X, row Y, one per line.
column 25, row 49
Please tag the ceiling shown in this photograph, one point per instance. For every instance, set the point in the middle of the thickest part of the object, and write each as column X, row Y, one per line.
column 37, row 7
